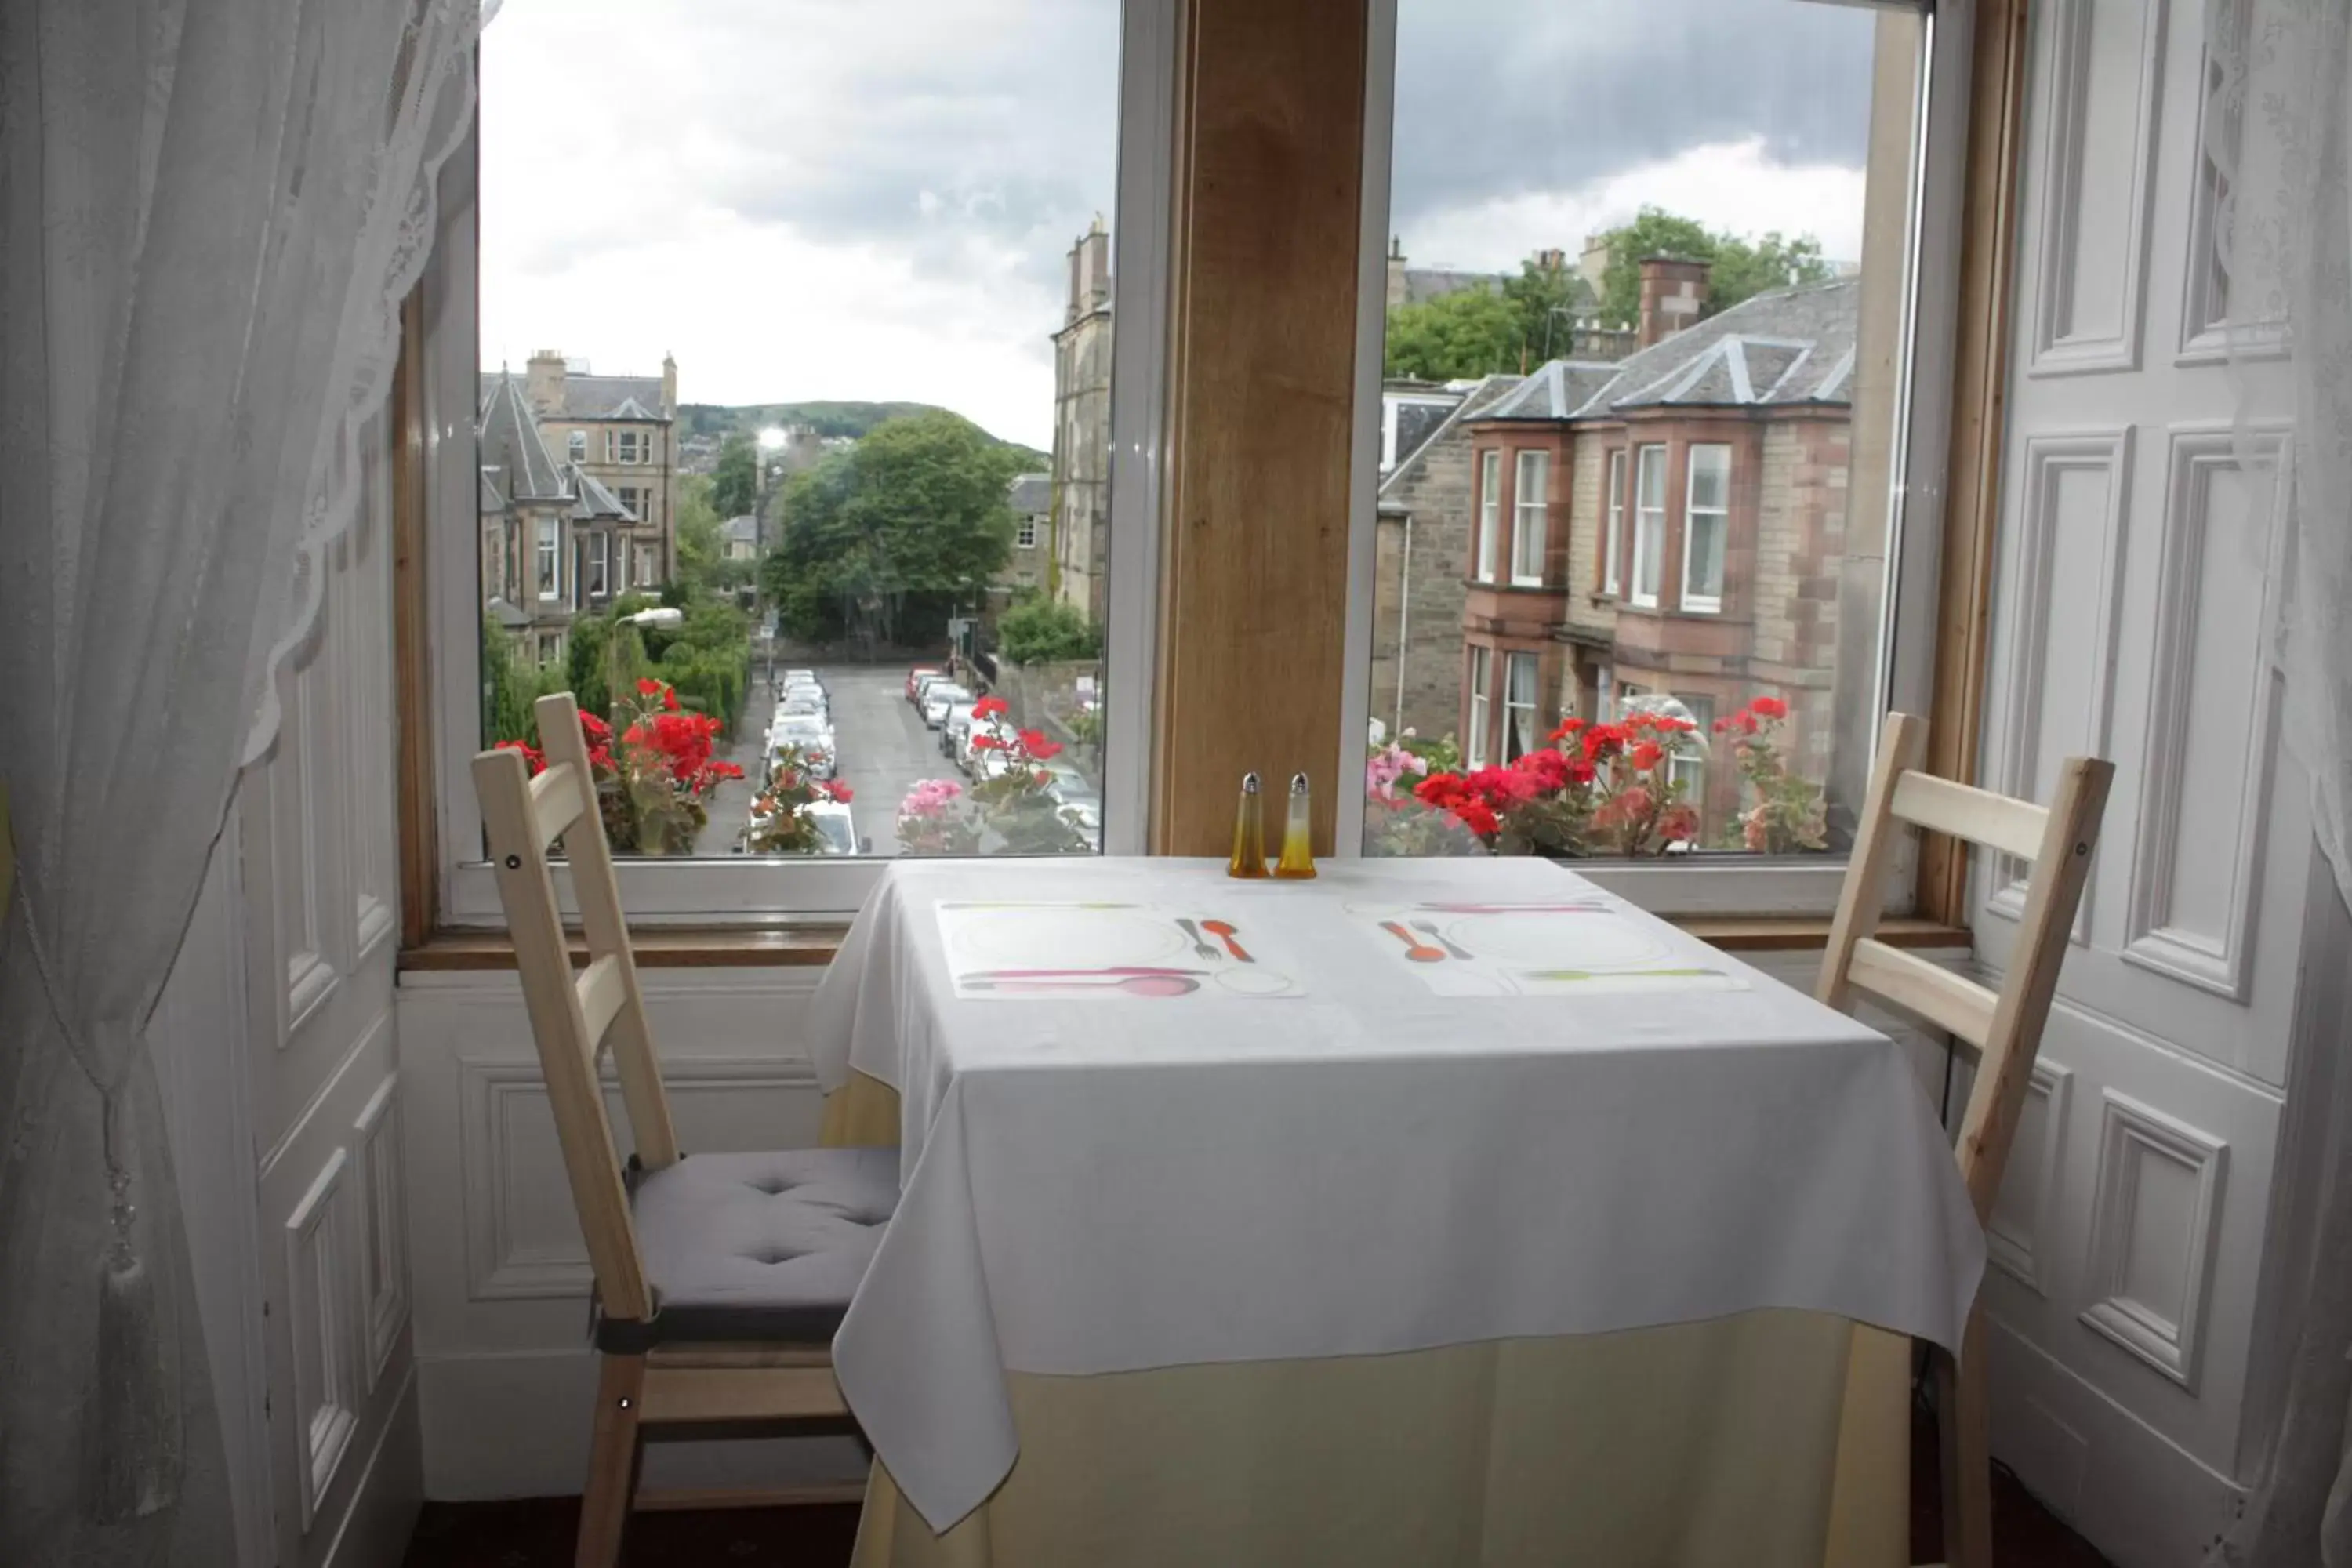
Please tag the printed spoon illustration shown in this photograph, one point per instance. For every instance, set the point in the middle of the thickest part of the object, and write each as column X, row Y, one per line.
column 1447, row 942
column 1224, row 932
column 1416, row 948
column 1133, row 984
column 1200, row 945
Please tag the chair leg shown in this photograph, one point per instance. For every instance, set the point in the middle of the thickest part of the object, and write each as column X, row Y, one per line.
column 1964, row 1420
column 613, row 1452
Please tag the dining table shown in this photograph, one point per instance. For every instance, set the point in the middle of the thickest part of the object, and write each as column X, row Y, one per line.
column 1424, row 1212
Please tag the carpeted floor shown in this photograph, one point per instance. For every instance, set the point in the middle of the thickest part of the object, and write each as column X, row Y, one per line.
column 536, row 1532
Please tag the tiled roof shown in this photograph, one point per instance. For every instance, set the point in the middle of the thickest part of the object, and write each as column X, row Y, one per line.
column 591, row 500
column 1789, row 347
column 599, row 396
column 1031, row 495
column 1479, row 396
column 493, row 499
column 743, row 529
column 511, row 443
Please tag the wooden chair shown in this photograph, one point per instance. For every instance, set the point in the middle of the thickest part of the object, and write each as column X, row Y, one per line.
column 2002, row 1028
column 720, row 1277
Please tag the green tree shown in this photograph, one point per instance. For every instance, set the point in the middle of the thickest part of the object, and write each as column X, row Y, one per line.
column 735, row 482
column 700, row 549
column 1473, row 332
column 1045, row 629
column 1739, row 267
column 902, row 528
column 1549, row 300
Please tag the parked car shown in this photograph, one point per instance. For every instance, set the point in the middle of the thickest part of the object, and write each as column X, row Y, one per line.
column 915, row 676
column 939, row 698
column 954, row 728
column 801, row 677
column 1078, row 797
column 836, row 828
column 924, row 683
column 811, row 735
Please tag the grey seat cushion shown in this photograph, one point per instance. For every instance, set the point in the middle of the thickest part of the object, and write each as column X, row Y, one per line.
column 762, row 1247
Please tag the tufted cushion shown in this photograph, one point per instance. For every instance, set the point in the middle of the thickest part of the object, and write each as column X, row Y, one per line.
column 762, row 1247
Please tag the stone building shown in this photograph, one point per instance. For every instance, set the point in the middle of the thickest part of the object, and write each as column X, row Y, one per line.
column 1670, row 524
column 623, row 431
column 555, row 539
column 1080, row 541
column 1422, row 564
column 1031, row 498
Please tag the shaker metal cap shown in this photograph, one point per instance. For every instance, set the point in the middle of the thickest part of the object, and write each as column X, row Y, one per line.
column 1298, row 783
column 1249, row 783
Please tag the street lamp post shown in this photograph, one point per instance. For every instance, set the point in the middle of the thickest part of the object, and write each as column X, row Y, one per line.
column 771, row 440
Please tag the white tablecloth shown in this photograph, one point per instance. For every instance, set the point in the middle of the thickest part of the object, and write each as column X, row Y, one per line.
column 1098, row 1184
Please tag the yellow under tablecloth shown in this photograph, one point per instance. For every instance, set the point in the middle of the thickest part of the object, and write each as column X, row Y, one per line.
column 1773, row 1437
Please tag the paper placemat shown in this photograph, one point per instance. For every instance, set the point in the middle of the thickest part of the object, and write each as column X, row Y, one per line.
column 1574, row 948
column 1108, row 952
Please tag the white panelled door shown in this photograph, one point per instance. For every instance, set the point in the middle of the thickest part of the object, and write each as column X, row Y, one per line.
column 2128, row 622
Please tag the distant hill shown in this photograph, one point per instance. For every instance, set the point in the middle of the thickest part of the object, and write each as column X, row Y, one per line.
column 826, row 418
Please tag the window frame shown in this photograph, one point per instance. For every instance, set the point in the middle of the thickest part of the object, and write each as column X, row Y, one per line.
column 1487, row 549
column 755, row 891
column 1613, row 522
column 1514, row 660
column 1479, row 720
column 1930, row 356
column 1704, row 604
column 1520, row 509
column 1024, row 535
column 1643, row 512
column 547, row 560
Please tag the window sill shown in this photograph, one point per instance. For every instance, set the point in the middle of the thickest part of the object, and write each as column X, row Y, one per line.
column 802, row 947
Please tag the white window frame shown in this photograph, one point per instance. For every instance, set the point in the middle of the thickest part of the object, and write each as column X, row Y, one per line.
column 756, row 889
column 575, row 446
column 600, row 562
column 1694, row 603
column 1614, row 521
column 1530, row 520
column 1906, row 667
column 1026, row 538
column 1513, row 662
column 1481, row 706
column 1649, row 526
column 1490, row 513
column 547, row 559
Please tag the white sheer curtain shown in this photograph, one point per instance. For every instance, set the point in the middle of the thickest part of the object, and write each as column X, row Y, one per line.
column 2278, row 131
column 209, row 211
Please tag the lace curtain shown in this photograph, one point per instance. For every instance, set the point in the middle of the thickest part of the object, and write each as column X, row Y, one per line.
column 2277, row 131
column 210, row 212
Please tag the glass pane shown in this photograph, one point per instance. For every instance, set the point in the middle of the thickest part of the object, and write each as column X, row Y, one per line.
column 1685, row 281
column 798, row 410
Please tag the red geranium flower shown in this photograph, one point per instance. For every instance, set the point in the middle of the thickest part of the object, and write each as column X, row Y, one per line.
column 1769, row 708
column 1040, row 749
column 986, row 744
column 669, row 698
column 1644, row 756
column 839, row 790
column 647, row 685
column 988, row 708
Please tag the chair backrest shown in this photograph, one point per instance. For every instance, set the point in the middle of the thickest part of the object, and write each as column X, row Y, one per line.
column 2004, row 1028
column 577, row 1019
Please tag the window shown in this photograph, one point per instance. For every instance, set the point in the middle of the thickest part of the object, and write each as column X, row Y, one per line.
column 1698, row 330
column 1490, row 512
column 1481, row 673
column 1707, row 528
column 1649, row 524
column 1613, row 522
column 781, row 838
column 1528, row 511
column 1519, row 727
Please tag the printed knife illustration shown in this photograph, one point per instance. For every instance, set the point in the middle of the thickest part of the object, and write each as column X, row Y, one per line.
column 1224, row 932
column 1416, row 948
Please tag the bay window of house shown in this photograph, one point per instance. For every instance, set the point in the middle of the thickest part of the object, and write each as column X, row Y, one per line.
column 1649, row 525
column 730, row 797
column 1715, row 323
column 1490, row 513
column 1706, row 527
column 1612, row 523
column 1530, row 485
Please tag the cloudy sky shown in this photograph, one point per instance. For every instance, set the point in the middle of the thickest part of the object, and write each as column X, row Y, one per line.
column 841, row 199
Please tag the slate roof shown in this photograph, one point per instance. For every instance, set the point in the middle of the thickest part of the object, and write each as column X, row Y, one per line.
column 591, row 502
column 510, row 444
column 1417, row 418
column 743, row 529
column 493, row 499
column 599, row 396
column 1479, row 396
column 1031, row 495
column 1790, row 347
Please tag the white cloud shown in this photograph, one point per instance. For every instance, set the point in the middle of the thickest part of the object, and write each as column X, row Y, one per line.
column 1729, row 185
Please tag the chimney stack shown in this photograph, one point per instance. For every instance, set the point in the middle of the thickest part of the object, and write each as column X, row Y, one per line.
column 1090, row 272
column 669, row 387
column 544, row 382
column 1674, row 292
column 1396, row 284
